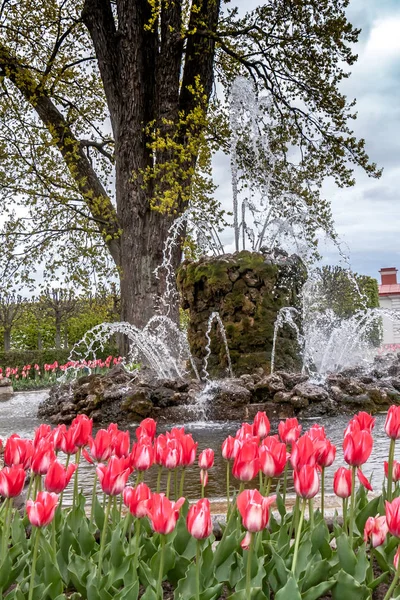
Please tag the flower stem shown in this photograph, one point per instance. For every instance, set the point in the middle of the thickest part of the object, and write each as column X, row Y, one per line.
column 268, row 489
column 159, row 479
column 394, row 583
column 298, row 534
column 228, row 495
column 94, row 493
column 248, row 566
column 182, row 482
column 161, row 569
column 137, row 542
column 345, row 500
column 285, row 476
column 34, row 560
column 168, row 482
column 311, row 512
column 323, row 492
column 198, row 554
column 76, row 490
column 390, row 470
column 352, row 504
column 104, row 534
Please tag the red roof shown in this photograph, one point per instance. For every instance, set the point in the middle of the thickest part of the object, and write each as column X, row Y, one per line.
column 389, row 290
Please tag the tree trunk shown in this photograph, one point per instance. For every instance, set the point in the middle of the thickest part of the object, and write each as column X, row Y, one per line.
column 7, row 339
column 58, row 334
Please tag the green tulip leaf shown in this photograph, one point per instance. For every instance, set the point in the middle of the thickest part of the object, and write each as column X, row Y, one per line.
column 98, row 514
column 86, row 539
column 315, row 573
column 319, row 590
column 347, row 558
column 255, row 594
column 347, row 587
column 290, row 590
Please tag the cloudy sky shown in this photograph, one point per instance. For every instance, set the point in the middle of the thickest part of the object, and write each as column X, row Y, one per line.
column 367, row 216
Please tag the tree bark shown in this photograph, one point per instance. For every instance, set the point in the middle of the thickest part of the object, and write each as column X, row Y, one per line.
column 7, row 339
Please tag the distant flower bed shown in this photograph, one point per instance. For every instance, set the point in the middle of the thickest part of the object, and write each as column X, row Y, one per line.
column 386, row 348
column 36, row 376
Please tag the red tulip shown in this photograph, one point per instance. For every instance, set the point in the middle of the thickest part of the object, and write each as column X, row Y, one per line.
column 396, row 470
column 303, row 453
column 160, row 444
column 171, row 456
column 392, row 510
column 41, row 511
column 41, row 433
column 18, row 451
column 58, row 435
column 342, row 482
column 289, row 430
column 136, row 499
column 189, row 449
column 245, row 431
column 360, row 422
column 163, row 513
column 206, row 459
column 113, row 477
column 58, row 477
column 316, row 433
column 12, row 481
column 228, row 446
column 375, row 531
column 306, row 481
column 146, row 427
column 247, row 463
column 121, row 443
column 273, row 461
column 254, row 509
column 261, row 425
column 325, row 453
column 43, row 456
column 198, row 520
column 100, row 446
column 392, row 423
column 67, row 443
column 81, row 428
column 357, row 447
column 142, row 454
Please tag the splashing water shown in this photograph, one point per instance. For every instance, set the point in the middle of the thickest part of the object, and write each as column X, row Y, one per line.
column 215, row 317
column 329, row 343
column 161, row 345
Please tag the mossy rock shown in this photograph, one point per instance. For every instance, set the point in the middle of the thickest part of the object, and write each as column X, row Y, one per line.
column 247, row 290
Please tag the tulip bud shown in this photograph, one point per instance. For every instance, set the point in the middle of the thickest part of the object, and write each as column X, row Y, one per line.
column 254, row 509
column 113, row 477
column 41, row 511
column 306, row 481
column 163, row 513
column 136, row 499
column 396, row 470
column 261, row 425
column 12, row 481
column 342, row 482
column 392, row 423
column 206, row 458
column 198, row 520
column 375, row 531
column 357, row 447
column 289, row 431
column 58, row 477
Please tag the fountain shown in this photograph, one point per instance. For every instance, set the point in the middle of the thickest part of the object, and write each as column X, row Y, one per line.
column 215, row 317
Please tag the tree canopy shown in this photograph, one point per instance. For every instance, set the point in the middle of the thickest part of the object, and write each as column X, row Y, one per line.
column 109, row 117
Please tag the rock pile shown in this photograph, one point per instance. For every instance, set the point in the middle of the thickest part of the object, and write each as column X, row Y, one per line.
column 126, row 398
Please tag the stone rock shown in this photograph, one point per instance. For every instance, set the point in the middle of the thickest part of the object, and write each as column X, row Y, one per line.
column 311, row 391
column 290, row 380
column 232, row 393
column 282, row 397
column 5, row 382
column 299, row 402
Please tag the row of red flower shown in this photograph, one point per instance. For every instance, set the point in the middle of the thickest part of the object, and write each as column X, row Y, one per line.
column 35, row 370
